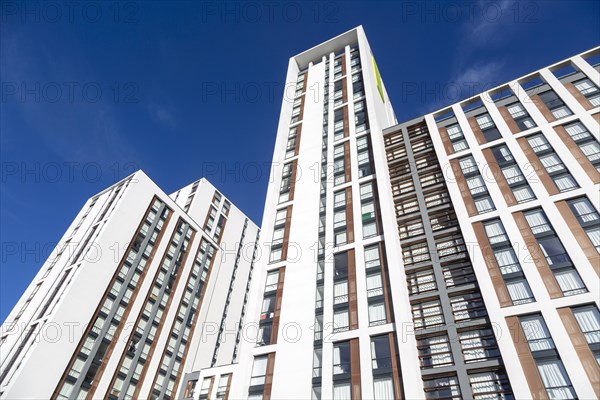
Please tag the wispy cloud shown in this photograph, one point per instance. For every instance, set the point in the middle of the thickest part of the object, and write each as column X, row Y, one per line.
column 492, row 23
column 484, row 74
column 163, row 114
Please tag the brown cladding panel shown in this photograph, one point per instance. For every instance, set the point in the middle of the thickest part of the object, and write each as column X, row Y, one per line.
column 476, row 130
column 582, row 349
column 537, row 166
column 286, row 233
column 512, row 125
column 446, row 140
column 298, row 136
column 301, row 115
column 293, row 179
column 222, row 230
column 396, row 378
column 355, row 368
column 346, row 121
column 269, row 376
column 535, row 99
column 352, row 298
column 464, row 188
column 277, row 310
column 349, row 216
column 534, row 381
column 387, row 297
column 582, row 238
column 210, row 387
column 347, row 166
column 228, row 387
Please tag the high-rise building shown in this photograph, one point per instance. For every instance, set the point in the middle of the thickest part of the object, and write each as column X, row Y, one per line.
column 119, row 307
column 455, row 255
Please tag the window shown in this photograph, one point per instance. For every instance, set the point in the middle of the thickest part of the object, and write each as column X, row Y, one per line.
column 507, row 261
column 520, row 116
column 360, row 119
column 537, row 222
column 588, row 218
column 421, row 281
column 357, row 87
column 366, row 191
column 490, row 385
column 317, row 362
column 495, row 232
column 364, row 161
column 467, row 306
column 588, row 319
column 340, row 321
column 339, row 199
column 205, row 388
column 340, row 292
column 222, row 388
column 435, row 351
column 268, row 307
column 372, row 259
column 341, row 391
column 478, row 345
column 339, row 167
column 259, row 371
column 536, row 333
column 458, row 274
column 477, row 187
column 555, row 379
column 216, row 198
column 555, row 104
column 338, row 124
column 427, row 314
column 291, row 143
column 457, row 138
column 416, row 253
column 369, row 218
column 380, row 353
column 377, row 314
column 589, row 90
column 570, row 282
column 341, row 358
column 519, row 291
column 442, row 388
column 271, row 283
column 286, row 183
column 374, row 285
column 340, row 265
column 578, row 132
column 512, row 174
column 383, row 388
column 488, row 128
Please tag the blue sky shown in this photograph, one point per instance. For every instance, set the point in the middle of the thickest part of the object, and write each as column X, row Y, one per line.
column 92, row 91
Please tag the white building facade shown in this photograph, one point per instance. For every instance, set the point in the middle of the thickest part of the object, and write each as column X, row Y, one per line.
column 117, row 310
